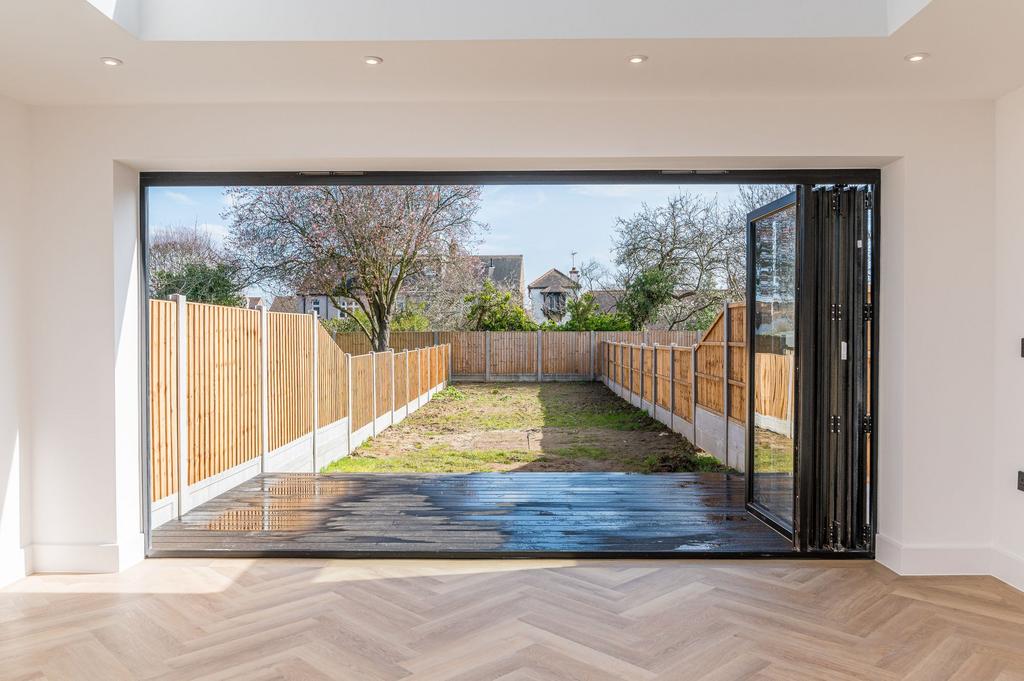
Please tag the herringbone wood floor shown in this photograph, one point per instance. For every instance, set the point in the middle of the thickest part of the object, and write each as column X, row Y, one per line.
column 512, row 620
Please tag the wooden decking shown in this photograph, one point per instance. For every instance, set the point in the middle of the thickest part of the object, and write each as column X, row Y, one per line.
column 479, row 514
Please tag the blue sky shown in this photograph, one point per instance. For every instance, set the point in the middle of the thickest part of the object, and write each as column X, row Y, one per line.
column 544, row 223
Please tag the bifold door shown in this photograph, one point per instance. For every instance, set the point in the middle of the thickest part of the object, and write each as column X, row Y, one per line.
column 810, row 457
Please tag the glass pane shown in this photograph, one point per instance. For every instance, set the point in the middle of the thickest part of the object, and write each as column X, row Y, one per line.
column 774, row 361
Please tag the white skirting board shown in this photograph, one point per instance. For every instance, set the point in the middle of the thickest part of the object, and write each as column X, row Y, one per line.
column 915, row 559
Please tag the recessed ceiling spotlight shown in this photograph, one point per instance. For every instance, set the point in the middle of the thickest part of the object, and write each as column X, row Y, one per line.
column 373, row 61
column 638, row 59
column 917, row 57
column 110, row 61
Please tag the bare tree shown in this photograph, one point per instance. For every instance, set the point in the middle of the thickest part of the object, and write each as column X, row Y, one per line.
column 357, row 242
column 172, row 248
column 443, row 293
column 698, row 243
column 687, row 239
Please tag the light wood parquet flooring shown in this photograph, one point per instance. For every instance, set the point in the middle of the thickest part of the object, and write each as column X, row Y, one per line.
column 514, row 620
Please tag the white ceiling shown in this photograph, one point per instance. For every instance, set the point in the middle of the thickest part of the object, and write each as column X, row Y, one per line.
column 397, row 20
column 50, row 50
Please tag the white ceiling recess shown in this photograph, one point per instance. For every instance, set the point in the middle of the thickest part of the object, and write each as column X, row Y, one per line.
column 395, row 20
column 50, row 51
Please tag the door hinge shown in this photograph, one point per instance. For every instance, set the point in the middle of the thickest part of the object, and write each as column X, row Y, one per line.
column 833, row 424
column 837, row 312
column 865, row 535
column 869, row 312
column 836, row 533
column 869, row 423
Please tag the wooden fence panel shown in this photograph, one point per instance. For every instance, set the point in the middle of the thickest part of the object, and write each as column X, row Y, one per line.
column 383, row 362
column 163, row 398
column 666, row 337
column 774, row 375
column 353, row 343
column 410, row 340
column 663, row 377
column 710, row 367
column 289, row 369
column 362, row 391
column 682, row 383
column 415, row 360
column 737, row 349
column 513, row 353
column 566, row 353
column 224, row 388
column 424, row 365
column 401, row 394
column 627, row 337
column 467, row 351
column 332, row 379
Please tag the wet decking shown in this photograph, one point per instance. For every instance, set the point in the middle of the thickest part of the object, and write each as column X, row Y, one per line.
column 478, row 514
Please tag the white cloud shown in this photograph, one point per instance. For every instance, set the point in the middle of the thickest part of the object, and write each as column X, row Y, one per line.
column 179, row 197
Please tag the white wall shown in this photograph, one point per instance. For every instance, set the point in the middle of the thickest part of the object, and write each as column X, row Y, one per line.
column 1008, row 518
column 935, row 424
column 14, row 228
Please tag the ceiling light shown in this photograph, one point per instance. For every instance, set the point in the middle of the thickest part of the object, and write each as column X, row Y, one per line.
column 917, row 57
column 111, row 61
column 373, row 61
column 638, row 59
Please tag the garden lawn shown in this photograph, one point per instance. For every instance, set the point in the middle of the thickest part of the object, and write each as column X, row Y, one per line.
column 478, row 427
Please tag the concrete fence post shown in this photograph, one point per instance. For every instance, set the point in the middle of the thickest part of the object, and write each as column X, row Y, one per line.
column 654, row 380
column 643, row 348
column 181, row 370
column 487, row 356
column 373, row 392
column 316, row 382
column 348, row 400
column 540, row 356
column 392, row 351
column 632, row 363
column 672, row 385
column 264, row 389
column 593, row 358
column 693, row 392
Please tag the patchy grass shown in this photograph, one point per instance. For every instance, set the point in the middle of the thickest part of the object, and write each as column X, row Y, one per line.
column 773, row 453
column 527, row 427
column 434, row 459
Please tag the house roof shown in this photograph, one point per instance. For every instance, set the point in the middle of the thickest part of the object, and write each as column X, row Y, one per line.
column 607, row 299
column 285, row 304
column 508, row 269
column 553, row 277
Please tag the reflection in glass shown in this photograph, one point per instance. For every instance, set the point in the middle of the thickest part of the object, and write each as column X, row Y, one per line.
column 774, row 346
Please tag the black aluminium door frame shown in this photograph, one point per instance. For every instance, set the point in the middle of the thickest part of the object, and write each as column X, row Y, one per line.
column 777, row 206
column 839, row 342
column 806, row 177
